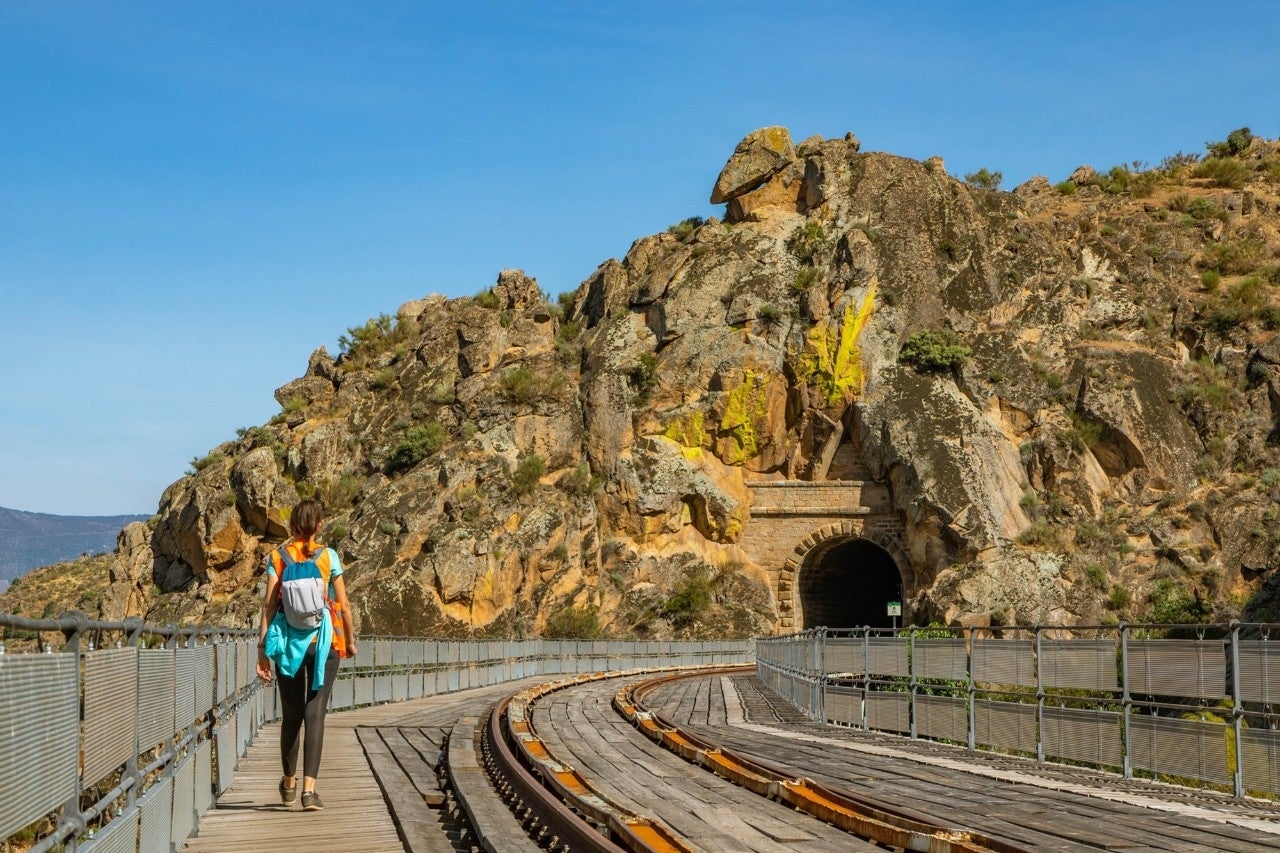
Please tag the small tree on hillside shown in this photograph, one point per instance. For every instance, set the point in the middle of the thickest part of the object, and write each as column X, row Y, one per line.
column 984, row 179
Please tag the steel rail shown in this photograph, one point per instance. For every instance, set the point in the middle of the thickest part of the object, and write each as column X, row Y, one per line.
column 859, row 814
column 567, row 828
column 557, row 794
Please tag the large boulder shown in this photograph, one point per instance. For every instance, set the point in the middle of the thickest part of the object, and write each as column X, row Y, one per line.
column 761, row 154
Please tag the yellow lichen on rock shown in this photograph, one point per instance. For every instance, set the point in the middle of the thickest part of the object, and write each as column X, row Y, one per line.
column 689, row 432
column 832, row 360
column 746, row 408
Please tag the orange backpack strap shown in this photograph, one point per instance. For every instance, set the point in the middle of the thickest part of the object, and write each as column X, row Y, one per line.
column 335, row 609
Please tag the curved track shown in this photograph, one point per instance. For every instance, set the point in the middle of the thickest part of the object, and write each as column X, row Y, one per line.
column 437, row 776
column 1045, row 807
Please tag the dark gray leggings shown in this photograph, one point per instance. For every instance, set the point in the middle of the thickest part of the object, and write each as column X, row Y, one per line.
column 299, row 702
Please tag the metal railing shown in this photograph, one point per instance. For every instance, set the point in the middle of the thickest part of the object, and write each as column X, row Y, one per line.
column 1189, row 704
column 121, row 739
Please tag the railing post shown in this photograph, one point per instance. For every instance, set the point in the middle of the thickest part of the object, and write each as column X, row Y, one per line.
column 71, row 816
column 973, row 695
column 133, row 637
column 1039, row 695
column 1237, row 709
column 822, row 675
column 911, row 676
column 866, row 672
column 1126, row 702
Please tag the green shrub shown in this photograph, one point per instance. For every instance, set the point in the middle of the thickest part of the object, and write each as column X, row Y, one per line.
column 1207, row 387
column 690, row 597
column 1041, row 533
column 1201, row 209
column 1084, row 433
column 573, row 623
column 1065, row 187
column 419, row 442
column 808, row 242
column 569, row 331
column 383, row 379
column 1143, row 184
column 1170, row 603
column 529, row 470
column 388, row 527
column 806, row 277
column 341, row 493
column 258, row 436
column 1115, row 180
column 560, row 553
column 1175, row 163
column 1224, row 172
column 768, row 315
column 683, row 229
column 1210, row 279
column 523, row 386
column 199, row 463
column 488, row 299
column 1096, row 575
column 1235, row 257
column 1235, row 143
column 1247, row 292
column 579, row 482
column 336, row 532
column 567, row 301
column 934, row 351
column 984, row 179
column 1119, row 598
column 643, row 375
column 1270, row 477
column 379, row 334
column 296, row 403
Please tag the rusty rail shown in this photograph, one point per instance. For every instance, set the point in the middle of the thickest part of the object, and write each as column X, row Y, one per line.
column 554, row 795
column 861, row 815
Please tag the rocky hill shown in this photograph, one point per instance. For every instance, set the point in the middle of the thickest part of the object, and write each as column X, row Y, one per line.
column 32, row 539
column 1053, row 404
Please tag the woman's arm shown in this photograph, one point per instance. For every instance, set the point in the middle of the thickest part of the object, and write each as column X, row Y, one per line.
column 344, row 607
column 269, row 603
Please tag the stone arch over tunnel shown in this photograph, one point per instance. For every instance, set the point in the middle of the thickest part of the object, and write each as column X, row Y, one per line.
column 846, row 583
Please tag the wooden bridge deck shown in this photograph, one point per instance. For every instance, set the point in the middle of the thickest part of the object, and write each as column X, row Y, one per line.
column 380, row 789
column 250, row 817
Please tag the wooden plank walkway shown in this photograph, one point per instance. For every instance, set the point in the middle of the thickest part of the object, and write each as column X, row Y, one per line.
column 1046, row 806
column 250, row 817
column 581, row 728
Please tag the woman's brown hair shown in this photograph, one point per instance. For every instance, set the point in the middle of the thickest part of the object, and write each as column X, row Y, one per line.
column 305, row 520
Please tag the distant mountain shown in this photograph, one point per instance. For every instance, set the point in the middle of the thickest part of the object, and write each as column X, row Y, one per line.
column 32, row 539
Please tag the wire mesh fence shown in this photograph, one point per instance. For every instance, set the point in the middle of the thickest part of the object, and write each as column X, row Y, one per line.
column 1188, row 704
column 122, row 738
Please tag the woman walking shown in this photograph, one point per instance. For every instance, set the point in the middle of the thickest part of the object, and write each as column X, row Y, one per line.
column 300, row 642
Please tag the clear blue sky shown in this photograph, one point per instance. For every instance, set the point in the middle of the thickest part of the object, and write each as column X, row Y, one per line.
column 193, row 196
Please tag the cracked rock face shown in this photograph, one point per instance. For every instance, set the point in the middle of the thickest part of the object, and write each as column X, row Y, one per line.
column 491, row 462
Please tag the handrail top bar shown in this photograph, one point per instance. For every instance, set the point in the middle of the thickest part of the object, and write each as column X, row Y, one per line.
column 959, row 630
column 74, row 620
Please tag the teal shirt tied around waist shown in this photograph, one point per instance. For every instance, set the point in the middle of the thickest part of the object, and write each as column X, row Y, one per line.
column 286, row 645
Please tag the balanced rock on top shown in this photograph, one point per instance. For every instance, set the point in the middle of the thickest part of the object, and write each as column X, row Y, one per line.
column 759, row 156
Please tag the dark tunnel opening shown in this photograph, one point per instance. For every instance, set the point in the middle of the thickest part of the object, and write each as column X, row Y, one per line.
column 849, row 585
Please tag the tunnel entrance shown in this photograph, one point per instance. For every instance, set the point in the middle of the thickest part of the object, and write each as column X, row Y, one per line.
column 848, row 585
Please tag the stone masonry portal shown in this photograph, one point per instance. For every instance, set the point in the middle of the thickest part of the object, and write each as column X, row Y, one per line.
column 819, row 525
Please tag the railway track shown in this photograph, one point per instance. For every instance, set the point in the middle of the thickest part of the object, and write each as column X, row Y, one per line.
column 630, row 796
column 711, row 761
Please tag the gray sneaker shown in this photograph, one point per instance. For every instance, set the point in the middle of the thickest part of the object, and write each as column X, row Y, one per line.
column 288, row 795
column 311, row 801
